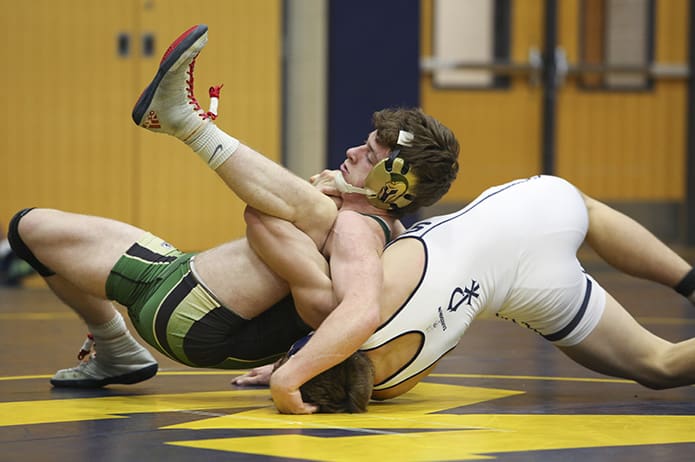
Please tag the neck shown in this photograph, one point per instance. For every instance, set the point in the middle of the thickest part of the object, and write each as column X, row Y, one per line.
column 359, row 203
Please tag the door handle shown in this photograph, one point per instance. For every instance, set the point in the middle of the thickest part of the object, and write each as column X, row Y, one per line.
column 148, row 44
column 123, row 45
column 533, row 67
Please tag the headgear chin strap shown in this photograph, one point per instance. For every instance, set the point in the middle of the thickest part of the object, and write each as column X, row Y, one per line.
column 345, row 187
column 388, row 185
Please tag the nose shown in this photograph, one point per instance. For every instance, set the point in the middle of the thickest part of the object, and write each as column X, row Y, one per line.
column 351, row 154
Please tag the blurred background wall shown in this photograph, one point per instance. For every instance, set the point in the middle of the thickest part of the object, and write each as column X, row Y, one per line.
column 596, row 91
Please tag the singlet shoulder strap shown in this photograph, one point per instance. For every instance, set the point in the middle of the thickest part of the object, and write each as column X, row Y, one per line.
column 384, row 225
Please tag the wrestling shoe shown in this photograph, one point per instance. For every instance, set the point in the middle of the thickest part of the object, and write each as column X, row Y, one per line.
column 94, row 373
column 168, row 104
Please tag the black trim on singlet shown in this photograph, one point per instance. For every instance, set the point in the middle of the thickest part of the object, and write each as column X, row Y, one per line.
column 417, row 353
column 169, row 304
column 417, row 286
column 417, row 226
column 564, row 332
column 143, row 253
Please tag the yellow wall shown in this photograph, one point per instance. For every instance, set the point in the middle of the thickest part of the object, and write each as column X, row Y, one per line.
column 70, row 142
column 615, row 145
column 627, row 145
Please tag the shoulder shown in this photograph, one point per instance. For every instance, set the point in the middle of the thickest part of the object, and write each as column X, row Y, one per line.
column 385, row 227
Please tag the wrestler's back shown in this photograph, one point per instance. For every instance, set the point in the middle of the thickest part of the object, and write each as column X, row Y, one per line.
column 410, row 278
column 470, row 265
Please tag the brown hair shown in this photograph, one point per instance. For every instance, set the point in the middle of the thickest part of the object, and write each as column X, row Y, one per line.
column 346, row 387
column 433, row 154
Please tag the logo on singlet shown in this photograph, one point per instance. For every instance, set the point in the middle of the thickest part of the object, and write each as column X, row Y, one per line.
column 419, row 226
column 458, row 297
column 465, row 295
column 442, row 321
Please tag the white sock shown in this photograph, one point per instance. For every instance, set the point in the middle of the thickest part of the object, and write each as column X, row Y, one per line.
column 213, row 145
column 113, row 340
column 109, row 330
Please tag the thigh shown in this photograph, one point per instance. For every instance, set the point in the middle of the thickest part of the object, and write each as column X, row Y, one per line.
column 80, row 248
column 239, row 278
column 179, row 316
column 619, row 346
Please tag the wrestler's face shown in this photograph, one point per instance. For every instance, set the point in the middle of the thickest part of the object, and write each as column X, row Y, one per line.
column 360, row 160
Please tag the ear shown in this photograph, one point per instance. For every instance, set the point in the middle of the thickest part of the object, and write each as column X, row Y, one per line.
column 391, row 183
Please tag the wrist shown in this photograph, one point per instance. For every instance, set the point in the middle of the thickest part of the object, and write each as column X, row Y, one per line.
column 285, row 378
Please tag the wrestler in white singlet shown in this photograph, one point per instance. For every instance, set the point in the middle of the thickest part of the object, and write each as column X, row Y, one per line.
column 510, row 253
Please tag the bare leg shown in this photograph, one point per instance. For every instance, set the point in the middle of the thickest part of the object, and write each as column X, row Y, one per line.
column 168, row 106
column 621, row 347
column 275, row 191
column 81, row 250
column 631, row 248
column 93, row 310
column 240, row 279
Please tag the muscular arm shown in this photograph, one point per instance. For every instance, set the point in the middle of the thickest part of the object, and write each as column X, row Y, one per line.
column 293, row 256
column 357, row 275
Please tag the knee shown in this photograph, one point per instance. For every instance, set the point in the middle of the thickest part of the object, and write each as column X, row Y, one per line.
column 22, row 227
column 317, row 219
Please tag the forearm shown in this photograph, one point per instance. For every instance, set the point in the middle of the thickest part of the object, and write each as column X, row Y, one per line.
column 341, row 334
column 294, row 258
column 357, row 276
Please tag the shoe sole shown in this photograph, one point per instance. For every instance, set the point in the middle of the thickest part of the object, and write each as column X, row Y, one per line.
column 172, row 55
column 125, row 379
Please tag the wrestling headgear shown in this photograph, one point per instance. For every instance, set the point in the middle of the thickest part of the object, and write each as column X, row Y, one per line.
column 390, row 183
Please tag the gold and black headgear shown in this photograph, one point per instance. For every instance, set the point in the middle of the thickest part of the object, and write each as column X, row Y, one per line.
column 390, row 183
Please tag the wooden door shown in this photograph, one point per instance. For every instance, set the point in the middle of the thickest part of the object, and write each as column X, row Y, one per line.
column 180, row 197
column 72, row 74
column 498, row 126
column 621, row 136
column 66, row 138
column 617, row 125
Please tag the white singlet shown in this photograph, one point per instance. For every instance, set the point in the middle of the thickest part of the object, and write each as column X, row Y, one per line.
column 510, row 253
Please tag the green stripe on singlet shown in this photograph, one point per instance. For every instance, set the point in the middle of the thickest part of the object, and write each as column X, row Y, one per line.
column 384, row 226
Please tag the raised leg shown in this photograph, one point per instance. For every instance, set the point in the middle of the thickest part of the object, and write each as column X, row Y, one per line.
column 168, row 105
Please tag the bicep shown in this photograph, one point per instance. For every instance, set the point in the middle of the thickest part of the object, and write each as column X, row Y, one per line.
column 289, row 252
column 356, row 267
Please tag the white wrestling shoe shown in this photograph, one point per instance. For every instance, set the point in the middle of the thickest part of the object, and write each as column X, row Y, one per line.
column 137, row 367
column 168, row 104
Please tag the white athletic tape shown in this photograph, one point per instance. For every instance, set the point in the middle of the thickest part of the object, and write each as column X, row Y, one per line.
column 405, row 138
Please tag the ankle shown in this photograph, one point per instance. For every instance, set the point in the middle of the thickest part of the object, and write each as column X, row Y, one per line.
column 112, row 329
column 686, row 287
column 213, row 145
